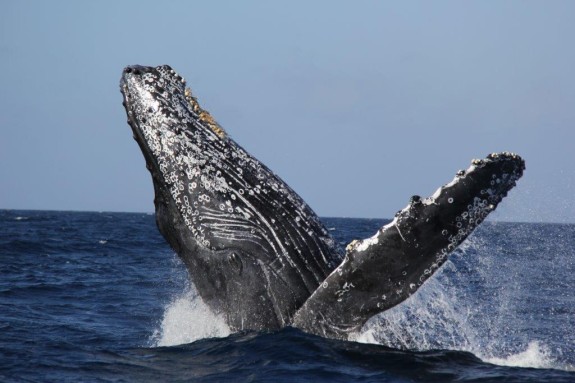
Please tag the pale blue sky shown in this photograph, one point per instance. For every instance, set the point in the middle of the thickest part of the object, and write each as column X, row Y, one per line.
column 357, row 105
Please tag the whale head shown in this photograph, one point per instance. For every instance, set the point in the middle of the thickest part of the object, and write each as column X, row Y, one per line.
column 166, row 120
column 240, row 230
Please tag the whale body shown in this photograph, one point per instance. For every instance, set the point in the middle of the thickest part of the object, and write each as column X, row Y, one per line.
column 256, row 252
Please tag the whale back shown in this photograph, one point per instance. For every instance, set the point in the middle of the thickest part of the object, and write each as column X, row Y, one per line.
column 255, row 250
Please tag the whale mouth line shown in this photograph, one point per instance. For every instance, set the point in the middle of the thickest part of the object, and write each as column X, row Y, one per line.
column 137, row 133
column 132, row 120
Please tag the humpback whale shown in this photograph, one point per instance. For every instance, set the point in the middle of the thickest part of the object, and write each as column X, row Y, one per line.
column 256, row 252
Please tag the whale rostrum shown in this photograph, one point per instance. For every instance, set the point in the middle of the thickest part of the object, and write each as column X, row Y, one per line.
column 256, row 252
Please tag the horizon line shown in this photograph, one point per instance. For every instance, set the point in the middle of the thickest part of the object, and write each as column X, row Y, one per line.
column 320, row 216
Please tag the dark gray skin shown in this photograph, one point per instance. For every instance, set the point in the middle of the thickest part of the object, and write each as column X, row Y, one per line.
column 256, row 252
column 254, row 249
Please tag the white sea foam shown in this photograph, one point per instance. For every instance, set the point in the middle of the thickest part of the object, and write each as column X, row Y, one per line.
column 422, row 325
column 536, row 355
column 186, row 319
column 442, row 316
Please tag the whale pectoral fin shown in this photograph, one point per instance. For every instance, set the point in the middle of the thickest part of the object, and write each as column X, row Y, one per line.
column 384, row 270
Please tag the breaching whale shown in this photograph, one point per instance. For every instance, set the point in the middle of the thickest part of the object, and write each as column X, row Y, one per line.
column 256, row 252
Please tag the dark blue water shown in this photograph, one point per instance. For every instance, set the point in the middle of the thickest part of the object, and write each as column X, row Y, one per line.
column 101, row 297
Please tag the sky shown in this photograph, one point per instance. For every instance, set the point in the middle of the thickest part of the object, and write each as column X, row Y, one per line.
column 356, row 105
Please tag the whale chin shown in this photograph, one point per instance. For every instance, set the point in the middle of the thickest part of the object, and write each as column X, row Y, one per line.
column 257, row 253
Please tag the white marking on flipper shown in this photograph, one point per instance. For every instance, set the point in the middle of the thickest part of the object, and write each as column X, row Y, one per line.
column 399, row 231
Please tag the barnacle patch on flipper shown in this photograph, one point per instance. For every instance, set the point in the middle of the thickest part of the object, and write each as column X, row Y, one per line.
column 203, row 115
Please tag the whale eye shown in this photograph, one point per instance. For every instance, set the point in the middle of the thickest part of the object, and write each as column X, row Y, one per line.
column 235, row 262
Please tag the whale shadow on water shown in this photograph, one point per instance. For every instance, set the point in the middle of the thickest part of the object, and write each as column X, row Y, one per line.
column 257, row 254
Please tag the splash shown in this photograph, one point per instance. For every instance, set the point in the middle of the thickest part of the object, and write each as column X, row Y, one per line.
column 446, row 313
column 186, row 319
column 428, row 320
column 536, row 355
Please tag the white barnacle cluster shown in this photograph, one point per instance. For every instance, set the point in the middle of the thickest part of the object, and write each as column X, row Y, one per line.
column 345, row 288
column 181, row 149
column 368, row 242
column 477, row 210
column 222, row 193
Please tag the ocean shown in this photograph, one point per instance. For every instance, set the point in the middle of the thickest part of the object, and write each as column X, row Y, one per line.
column 100, row 297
